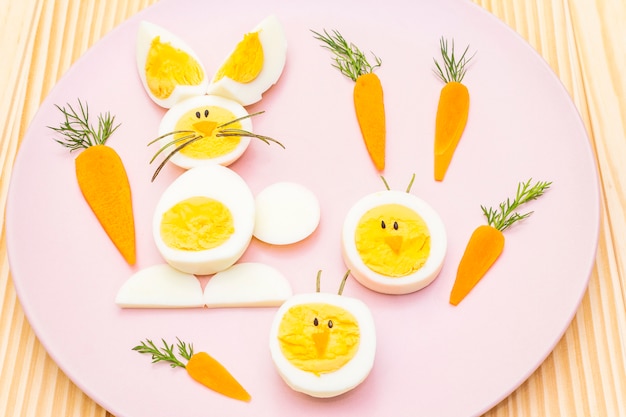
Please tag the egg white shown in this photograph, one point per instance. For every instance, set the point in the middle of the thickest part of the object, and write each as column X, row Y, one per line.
column 286, row 213
column 247, row 284
column 160, row 286
column 146, row 33
column 347, row 377
column 274, row 43
column 224, row 185
column 394, row 285
column 171, row 117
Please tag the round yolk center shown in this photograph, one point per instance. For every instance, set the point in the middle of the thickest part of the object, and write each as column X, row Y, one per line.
column 246, row 61
column 197, row 223
column 205, row 122
column 318, row 337
column 392, row 240
column 166, row 67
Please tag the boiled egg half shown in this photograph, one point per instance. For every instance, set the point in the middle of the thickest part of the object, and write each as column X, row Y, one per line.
column 254, row 65
column 393, row 242
column 169, row 69
column 323, row 344
column 204, row 220
column 208, row 130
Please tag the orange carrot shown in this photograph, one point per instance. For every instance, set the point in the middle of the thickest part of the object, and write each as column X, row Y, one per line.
column 367, row 94
column 486, row 243
column 453, row 107
column 483, row 249
column 101, row 176
column 200, row 366
column 370, row 112
column 206, row 370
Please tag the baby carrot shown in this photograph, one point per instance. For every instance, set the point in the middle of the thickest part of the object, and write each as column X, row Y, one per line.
column 200, row 366
column 486, row 243
column 367, row 93
column 453, row 107
column 101, row 175
column 206, row 370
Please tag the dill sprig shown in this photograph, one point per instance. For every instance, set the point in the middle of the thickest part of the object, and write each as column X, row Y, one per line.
column 453, row 68
column 192, row 136
column 350, row 60
column 166, row 353
column 77, row 130
column 506, row 215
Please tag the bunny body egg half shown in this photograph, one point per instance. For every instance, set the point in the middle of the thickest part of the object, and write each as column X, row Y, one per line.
column 204, row 220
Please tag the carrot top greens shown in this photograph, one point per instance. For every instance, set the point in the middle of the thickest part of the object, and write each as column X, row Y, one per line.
column 505, row 215
column 77, row 130
column 166, row 353
column 350, row 60
column 454, row 68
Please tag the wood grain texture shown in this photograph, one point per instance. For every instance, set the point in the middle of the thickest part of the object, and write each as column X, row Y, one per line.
column 584, row 42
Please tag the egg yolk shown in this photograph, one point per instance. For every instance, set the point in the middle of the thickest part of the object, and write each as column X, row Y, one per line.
column 166, row 67
column 197, row 223
column 318, row 337
column 246, row 61
column 205, row 122
column 392, row 240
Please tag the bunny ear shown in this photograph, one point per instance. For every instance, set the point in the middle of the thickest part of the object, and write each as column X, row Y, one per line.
column 169, row 69
column 254, row 65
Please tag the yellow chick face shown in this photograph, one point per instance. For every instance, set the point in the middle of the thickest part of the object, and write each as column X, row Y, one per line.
column 323, row 344
column 318, row 337
column 393, row 242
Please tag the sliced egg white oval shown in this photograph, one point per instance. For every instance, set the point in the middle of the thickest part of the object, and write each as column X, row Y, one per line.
column 286, row 213
column 203, row 120
column 204, row 220
column 169, row 69
column 247, row 284
column 393, row 242
column 160, row 286
column 323, row 344
column 254, row 65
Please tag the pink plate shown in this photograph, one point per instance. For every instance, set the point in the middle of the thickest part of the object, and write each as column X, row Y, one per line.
column 432, row 358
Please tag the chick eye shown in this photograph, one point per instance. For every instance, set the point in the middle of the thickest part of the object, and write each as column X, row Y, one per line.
column 316, row 321
column 330, row 324
column 382, row 224
column 198, row 114
column 395, row 225
column 206, row 113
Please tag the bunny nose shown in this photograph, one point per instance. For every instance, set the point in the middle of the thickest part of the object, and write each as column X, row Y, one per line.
column 204, row 127
column 394, row 242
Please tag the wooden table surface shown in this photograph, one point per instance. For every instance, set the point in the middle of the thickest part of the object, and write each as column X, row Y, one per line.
column 584, row 41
